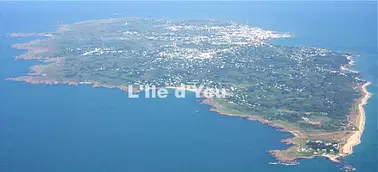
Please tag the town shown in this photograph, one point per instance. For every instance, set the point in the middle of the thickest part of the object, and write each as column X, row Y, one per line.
column 307, row 87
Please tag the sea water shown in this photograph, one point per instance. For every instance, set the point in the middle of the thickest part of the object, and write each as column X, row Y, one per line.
column 80, row 128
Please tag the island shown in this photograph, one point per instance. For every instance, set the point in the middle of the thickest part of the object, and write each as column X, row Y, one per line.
column 307, row 91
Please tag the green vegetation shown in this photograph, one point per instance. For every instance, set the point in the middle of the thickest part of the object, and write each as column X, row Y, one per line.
column 296, row 153
column 302, row 86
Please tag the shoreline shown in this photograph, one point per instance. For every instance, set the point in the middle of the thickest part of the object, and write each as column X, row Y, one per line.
column 94, row 84
column 280, row 128
column 355, row 138
column 15, row 35
column 345, row 150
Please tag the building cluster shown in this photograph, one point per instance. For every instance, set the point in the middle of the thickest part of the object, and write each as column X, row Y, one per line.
column 319, row 147
column 220, row 55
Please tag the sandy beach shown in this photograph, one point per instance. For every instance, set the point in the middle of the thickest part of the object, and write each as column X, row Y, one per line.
column 347, row 149
column 355, row 138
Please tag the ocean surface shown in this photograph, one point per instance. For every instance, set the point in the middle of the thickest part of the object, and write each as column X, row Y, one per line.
column 60, row 128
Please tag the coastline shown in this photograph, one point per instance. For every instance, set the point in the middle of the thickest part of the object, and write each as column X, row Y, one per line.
column 94, row 84
column 355, row 138
column 347, row 149
column 14, row 35
column 280, row 127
